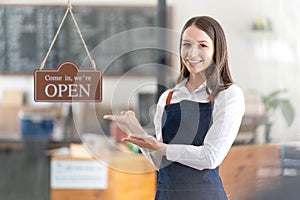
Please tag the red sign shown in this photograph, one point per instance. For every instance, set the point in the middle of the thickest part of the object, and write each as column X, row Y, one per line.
column 67, row 84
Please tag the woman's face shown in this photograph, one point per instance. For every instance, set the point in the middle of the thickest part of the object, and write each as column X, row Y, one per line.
column 197, row 49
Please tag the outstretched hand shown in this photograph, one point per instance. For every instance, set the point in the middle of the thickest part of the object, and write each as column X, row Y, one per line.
column 147, row 142
column 136, row 134
column 127, row 122
column 123, row 118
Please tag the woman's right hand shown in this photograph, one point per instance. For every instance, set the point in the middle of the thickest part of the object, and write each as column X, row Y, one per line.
column 127, row 121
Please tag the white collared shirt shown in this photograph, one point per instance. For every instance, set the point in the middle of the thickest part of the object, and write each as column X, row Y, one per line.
column 229, row 108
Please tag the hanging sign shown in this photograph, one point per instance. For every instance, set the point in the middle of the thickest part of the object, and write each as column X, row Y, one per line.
column 67, row 84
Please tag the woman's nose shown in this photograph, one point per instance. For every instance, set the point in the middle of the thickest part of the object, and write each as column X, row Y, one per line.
column 194, row 51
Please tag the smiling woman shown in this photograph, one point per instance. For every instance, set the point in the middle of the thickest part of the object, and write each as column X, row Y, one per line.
column 196, row 122
column 196, row 49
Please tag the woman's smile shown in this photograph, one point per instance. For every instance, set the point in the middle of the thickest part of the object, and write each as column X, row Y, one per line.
column 194, row 63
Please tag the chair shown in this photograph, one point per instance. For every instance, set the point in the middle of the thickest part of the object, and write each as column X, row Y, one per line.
column 290, row 158
column 248, row 129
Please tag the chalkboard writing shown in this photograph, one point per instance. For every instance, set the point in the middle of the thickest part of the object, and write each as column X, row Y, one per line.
column 26, row 33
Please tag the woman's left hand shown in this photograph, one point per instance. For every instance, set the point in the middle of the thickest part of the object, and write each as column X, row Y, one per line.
column 147, row 142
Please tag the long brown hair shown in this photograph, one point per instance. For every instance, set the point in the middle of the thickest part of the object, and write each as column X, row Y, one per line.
column 217, row 75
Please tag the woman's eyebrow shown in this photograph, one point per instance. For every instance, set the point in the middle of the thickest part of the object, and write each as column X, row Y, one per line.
column 203, row 41
column 200, row 41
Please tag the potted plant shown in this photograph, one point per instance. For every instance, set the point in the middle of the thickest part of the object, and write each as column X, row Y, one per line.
column 274, row 101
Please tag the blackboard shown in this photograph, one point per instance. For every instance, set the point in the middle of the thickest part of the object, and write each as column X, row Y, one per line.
column 27, row 31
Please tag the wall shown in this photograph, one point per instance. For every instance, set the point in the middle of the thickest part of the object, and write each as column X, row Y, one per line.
column 252, row 68
column 253, row 73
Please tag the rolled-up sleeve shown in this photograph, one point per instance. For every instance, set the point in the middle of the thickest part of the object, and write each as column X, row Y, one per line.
column 229, row 108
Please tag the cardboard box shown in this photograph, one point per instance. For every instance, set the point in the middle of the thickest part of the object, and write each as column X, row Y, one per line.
column 9, row 121
column 13, row 98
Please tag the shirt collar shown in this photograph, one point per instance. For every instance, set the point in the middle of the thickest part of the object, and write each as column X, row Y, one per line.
column 182, row 84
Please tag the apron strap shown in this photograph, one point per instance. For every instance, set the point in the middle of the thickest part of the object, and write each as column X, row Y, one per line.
column 169, row 97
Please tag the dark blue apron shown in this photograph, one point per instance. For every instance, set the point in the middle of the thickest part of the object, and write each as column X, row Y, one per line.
column 187, row 122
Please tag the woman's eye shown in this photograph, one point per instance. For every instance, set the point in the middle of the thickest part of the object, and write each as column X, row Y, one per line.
column 202, row 45
column 186, row 44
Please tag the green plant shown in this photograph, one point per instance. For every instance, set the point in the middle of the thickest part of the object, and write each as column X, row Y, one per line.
column 274, row 101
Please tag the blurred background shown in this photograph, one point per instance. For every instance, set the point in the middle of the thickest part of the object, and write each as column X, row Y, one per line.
column 138, row 63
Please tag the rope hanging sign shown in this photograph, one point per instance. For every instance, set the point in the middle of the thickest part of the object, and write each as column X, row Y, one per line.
column 67, row 83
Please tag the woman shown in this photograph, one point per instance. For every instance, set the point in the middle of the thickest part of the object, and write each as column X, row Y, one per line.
column 196, row 122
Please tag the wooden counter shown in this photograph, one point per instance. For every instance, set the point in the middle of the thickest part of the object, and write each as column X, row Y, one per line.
column 249, row 169
column 123, row 183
